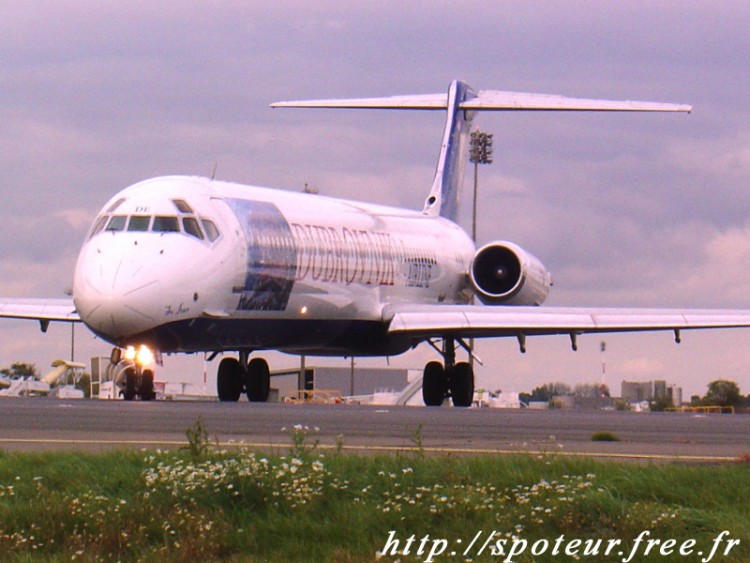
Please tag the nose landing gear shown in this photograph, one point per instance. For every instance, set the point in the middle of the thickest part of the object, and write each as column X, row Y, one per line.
column 133, row 373
column 454, row 380
column 238, row 375
column 138, row 383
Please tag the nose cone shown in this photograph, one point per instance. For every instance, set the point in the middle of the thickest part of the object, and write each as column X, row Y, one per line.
column 115, row 292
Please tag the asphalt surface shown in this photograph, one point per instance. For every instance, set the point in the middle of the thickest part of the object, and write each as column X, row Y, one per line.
column 44, row 423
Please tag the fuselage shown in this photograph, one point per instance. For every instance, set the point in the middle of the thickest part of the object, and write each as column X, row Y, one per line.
column 189, row 264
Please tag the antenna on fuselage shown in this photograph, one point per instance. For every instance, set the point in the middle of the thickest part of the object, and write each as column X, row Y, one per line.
column 213, row 174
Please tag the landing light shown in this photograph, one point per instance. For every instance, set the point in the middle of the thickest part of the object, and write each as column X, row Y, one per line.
column 143, row 356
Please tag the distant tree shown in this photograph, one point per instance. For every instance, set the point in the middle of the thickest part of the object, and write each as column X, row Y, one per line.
column 19, row 369
column 661, row 404
column 592, row 390
column 622, row 405
column 723, row 393
column 545, row 392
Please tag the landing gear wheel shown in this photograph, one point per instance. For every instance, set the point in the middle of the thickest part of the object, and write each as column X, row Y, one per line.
column 147, row 386
column 229, row 380
column 433, row 384
column 130, row 380
column 461, row 384
column 258, row 380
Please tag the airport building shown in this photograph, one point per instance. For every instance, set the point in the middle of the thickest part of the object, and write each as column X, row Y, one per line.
column 635, row 392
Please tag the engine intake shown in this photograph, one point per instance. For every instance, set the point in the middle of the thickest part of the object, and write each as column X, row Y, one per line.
column 502, row 273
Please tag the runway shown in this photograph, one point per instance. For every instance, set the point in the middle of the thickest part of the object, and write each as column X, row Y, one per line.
column 43, row 423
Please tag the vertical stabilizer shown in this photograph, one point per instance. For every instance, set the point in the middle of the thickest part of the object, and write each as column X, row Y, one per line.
column 446, row 187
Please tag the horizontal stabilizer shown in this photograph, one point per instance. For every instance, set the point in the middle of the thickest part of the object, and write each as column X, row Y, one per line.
column 495, row 100
column 488, row 100
column 462, row 102
column 425, row 101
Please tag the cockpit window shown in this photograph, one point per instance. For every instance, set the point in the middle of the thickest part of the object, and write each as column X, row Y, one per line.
column 211, row 231
column 164, row 224
column 139, row 223
column 198, row 227
column 99, row 225
column 182, row 206
column 191, row 227
column 117, row 223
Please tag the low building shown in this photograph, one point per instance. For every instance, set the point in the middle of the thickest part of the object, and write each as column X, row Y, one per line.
column 338, row 381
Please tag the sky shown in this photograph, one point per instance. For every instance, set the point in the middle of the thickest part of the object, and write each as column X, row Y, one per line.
column 624, row 209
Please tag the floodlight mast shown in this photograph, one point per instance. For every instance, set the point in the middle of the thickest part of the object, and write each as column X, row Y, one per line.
column 480, row 152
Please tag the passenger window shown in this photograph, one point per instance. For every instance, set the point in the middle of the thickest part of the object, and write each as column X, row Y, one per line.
column 117, row 223
column 139, row 223
column 191, row 227
column 211, row 231
column 182, row 206
column 166, row 225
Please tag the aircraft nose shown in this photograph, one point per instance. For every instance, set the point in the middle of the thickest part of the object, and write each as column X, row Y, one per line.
column 114, row 295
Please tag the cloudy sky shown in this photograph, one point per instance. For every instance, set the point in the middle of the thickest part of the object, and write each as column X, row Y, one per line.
column 631, row 210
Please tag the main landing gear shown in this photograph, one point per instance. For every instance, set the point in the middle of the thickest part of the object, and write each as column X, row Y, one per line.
column 236, row 376
column 454, row 380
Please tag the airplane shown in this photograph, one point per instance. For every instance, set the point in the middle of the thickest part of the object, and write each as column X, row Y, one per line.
column 183, row 264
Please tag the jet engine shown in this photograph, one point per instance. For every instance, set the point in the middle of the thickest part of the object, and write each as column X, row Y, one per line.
column 502, row 273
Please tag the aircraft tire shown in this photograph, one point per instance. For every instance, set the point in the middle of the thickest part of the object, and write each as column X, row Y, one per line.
column 147, row 386
column 461, row 383
column 229, row 380
column 433, row 384
column 258, row 380
column 129, row 392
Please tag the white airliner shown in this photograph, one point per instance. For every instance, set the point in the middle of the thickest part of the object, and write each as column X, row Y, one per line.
column 188, row 264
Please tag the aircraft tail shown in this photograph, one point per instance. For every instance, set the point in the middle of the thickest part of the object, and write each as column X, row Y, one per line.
column 446, row 187
column 461, row 104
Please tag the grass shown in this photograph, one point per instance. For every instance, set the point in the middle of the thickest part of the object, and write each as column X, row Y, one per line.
column 604, row 436
column 201, row 504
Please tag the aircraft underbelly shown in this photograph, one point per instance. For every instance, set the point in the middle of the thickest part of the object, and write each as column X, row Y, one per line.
column 308, row 336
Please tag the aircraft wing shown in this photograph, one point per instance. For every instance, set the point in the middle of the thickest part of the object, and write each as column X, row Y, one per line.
column 484, row 321
column 42, row 310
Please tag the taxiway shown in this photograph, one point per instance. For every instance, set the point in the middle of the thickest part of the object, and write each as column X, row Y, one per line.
column 50, row 424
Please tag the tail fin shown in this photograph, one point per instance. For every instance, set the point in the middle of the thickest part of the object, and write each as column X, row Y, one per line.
column 461, row 103
column 446, row 187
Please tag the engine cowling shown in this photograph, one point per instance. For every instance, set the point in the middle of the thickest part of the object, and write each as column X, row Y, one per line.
column 502, row 273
